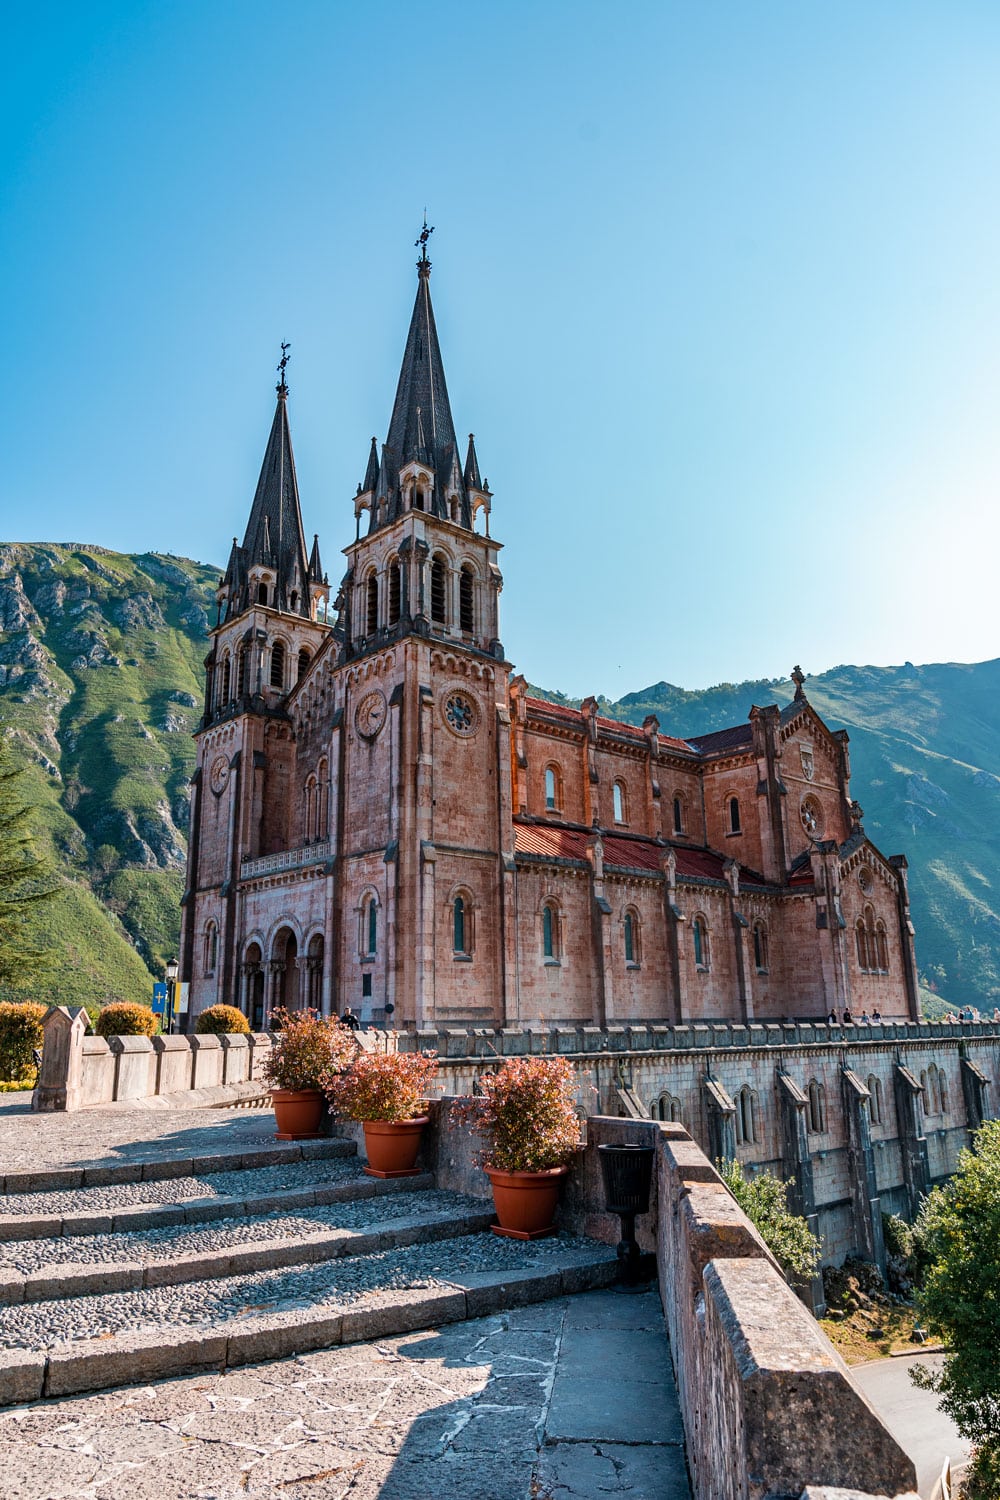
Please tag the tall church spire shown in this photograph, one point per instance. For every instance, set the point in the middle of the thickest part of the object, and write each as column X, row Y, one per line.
column 274, row 538
column 421, row 429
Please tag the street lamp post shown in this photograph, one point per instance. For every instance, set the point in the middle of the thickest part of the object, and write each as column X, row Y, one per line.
column 172, row 968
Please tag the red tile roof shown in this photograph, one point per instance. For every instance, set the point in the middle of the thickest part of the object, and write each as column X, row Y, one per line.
column 553, row 842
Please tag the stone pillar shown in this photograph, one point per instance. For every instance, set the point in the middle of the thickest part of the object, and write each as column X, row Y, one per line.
column 60, row 1078
column 912, row 1141
column 861, row 1169
column 976, row 1090
column 721, row 1121
column 796, row 1162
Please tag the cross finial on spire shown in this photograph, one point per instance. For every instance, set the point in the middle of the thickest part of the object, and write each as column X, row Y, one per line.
column 281, row 387
column 423, row 264
column 799, row 677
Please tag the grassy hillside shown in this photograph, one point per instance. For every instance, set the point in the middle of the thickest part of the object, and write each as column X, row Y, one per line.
column 100, row 684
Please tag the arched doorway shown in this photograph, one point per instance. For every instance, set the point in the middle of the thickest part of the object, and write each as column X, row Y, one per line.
column 253, row 987
column 285, row 969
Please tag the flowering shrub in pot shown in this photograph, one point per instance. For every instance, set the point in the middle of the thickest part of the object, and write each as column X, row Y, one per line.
column 527, row 1113
column 307, row 1052
column 384, row 1092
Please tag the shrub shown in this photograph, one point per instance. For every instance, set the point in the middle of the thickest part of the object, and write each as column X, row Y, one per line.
column 222, row 1020
column 764, row 1200
column 382, row 1086
column 527, row 1112
column 126, row 1018
column 20, row 1035
column 307, row 1050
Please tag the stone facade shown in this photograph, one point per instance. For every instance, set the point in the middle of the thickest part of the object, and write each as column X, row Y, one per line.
column 383, row 817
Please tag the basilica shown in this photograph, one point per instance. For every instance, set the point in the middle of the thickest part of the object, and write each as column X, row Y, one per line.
column 384, row 817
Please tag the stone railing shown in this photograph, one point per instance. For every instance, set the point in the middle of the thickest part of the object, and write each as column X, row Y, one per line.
column 79, row 1071
column 514, row 1041
column 769, row 1407
column 287, row 859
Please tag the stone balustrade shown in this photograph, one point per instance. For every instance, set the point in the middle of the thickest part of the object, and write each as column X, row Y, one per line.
column 287, row 859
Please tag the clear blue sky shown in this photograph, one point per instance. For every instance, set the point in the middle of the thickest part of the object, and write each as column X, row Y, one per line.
column 718, row 288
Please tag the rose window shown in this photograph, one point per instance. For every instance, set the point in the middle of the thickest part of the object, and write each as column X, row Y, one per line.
column 812, row 817
column 459, row 713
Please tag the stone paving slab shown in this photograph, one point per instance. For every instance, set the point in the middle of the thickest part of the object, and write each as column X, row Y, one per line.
column 460, row 1411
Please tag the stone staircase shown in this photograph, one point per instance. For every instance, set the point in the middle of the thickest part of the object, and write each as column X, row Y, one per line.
column 122, row 1272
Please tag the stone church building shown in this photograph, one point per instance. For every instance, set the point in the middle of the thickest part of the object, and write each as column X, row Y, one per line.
column 383, row 816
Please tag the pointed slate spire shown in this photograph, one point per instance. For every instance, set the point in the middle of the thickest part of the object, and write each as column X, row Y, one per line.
column 274, row 536
column 315, row 566
column 371, row 473
column 472, row 476
column 421, row 415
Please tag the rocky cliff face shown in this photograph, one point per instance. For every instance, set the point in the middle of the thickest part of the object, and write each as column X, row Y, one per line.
column 101, row 677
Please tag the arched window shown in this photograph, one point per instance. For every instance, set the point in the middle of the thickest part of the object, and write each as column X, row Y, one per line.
column 304, row 659
column 933, row 1091
column 760, row 947
column 550, row 932
column 226, row 676
column 875, row 1094
column 552, row 788
column 322, row 799
column 620, row 802
column 466, row 608
column 632, row 948
column 394, row 592
column 942, row 1084
column 278, row 664
column 666, row 1107
column 746, row 1116
column 241, row 672
column 371, row 605
column 310, row 809
column 439, row 581
column 734, row 815
column 461, row 914
column 925, row 1093
column 369, row 927
column 817, row 1108
column 861, row 938
column 678, row 815
column 262, row 593
column 211, row 947
column 418, row 498
column 881, row 948
column 699, row 932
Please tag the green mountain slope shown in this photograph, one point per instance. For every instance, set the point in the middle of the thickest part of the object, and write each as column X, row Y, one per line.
column 101, row 679
column 100, row 685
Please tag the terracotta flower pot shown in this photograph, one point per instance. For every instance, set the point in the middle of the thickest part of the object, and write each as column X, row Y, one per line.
column 297, row 1113
column 526, row 1201
column 392, row 1146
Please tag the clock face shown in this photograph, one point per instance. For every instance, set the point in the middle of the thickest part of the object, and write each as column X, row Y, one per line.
column 219, row 774
column 370, row 714
column 460, row 711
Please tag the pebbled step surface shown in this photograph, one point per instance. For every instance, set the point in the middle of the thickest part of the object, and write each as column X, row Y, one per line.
column 221, row 1302
column 144, row 1246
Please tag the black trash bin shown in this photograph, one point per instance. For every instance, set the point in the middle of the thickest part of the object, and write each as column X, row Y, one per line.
column 628, row 1174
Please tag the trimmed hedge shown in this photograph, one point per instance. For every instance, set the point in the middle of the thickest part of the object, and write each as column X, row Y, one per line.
column 222, row 1020
column 20, row 1035
column 126, row 1018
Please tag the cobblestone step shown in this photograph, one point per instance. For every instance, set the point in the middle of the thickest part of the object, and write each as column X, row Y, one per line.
column 158, row 1166
column 193, row 1200
column 47, row 1270
column 60, row 1347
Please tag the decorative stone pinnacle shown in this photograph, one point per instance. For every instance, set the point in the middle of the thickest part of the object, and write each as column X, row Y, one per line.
column 798, row 677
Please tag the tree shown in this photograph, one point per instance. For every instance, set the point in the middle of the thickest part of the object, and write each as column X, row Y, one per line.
column 764, row 1200
column 26, row 880
column 960, row 1300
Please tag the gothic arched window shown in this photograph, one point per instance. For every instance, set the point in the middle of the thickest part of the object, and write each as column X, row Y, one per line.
column 620, row 802
column 861, row 938
column 760, row 948
column 241, row 672
column 875, row 1096
column 817, row 1108
column 322, row 799
column 371, row 605
column 678, row 815
column 734, row 815
column 462, row 926
column 881, row 948
column 439, row 579
column 278, row 664
column 211, row 957
column 552, row 788
column 550, row 931
column 262, row 593
column 466, row 597
column 226, row 680
column 304, row 659
column 632, row 946
column 699, row 932
column 746, row 1116
column 369, row 926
